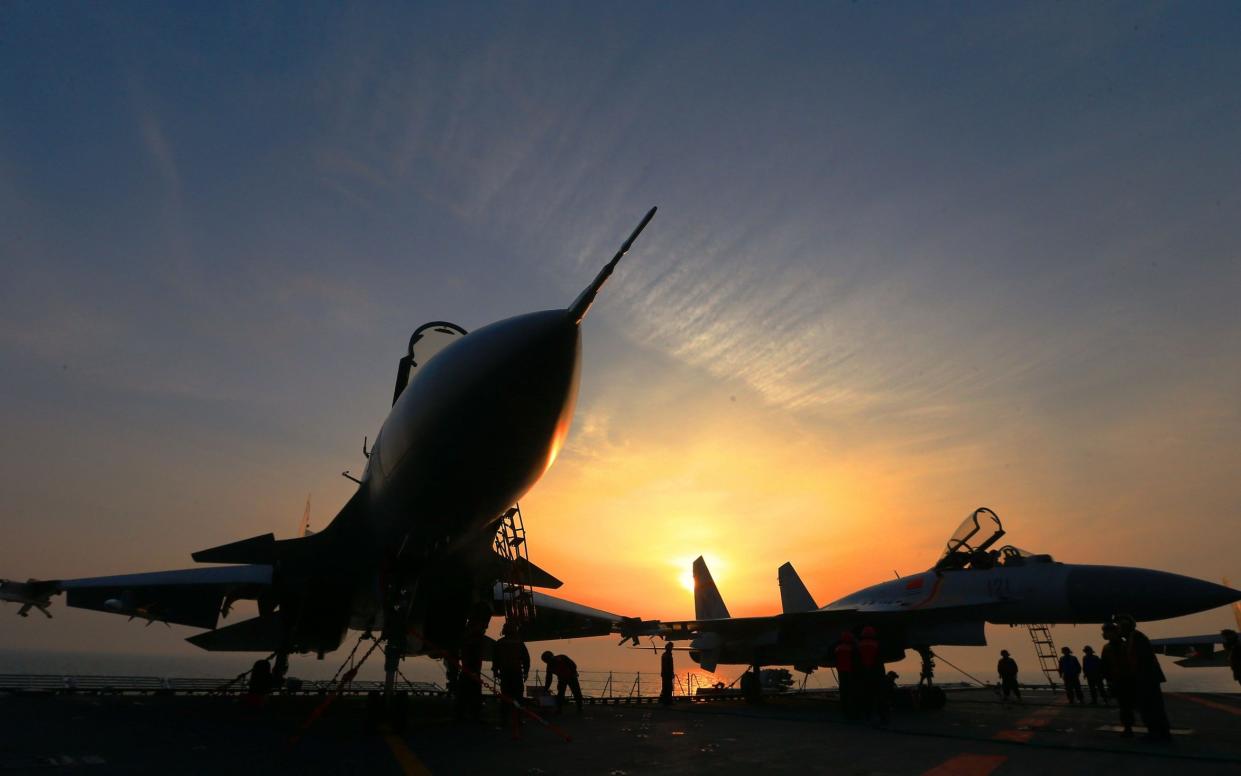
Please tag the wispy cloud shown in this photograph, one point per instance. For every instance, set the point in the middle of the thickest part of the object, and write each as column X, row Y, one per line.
column 161, row 152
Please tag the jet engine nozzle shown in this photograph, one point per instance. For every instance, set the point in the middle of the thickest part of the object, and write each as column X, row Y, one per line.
column 1098, row 592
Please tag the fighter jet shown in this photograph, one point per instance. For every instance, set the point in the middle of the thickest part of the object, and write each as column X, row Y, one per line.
column 948, row 604
column 428, row 540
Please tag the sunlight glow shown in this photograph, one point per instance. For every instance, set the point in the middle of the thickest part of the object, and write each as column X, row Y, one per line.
column 687, row 580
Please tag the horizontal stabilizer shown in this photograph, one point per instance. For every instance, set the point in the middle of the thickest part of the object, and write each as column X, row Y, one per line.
column 1194, row 651
column 708, row 603
column 259, row 634
column 257, row 549
column 794, row 597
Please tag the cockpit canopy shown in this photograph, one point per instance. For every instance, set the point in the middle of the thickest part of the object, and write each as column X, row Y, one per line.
column 434, row 336
column 970, row 545
column 967, row 547
column 977, row 532
column 1015, row 556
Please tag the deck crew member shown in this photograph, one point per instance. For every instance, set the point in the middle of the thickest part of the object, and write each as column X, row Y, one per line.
column 666, row 674
column 1092, row 668
column 1148, row 678
column 846, row 660
column 565, row 671
column 511, row 661
column 870, row 669
column 1071, row 671
column 260, row 683
column 1233, row 644
column 468, row 688
column 1007, row 669
column 1119, row 673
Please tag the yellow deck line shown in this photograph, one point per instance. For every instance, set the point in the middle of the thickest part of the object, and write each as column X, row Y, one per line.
column 405, row 757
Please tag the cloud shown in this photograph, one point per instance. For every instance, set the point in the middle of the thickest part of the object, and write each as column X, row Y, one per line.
column 161, row 151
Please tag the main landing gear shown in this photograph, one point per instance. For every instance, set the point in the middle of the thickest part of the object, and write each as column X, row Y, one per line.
column 752, row 685
column 928, row 696
column 927, row 675
column 396, row 634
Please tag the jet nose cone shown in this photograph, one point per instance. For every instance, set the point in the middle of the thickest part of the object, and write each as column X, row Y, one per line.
column 1097, row 592
column 498, row 400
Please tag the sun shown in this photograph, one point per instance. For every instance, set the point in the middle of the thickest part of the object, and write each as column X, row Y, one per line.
column 687, row 580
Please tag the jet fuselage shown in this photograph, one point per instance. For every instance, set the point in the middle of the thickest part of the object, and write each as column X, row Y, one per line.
column 952, row 607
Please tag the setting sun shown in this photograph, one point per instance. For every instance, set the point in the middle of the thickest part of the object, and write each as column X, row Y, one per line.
column 687, row 580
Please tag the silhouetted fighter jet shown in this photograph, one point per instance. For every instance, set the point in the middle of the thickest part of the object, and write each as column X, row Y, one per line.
column 412, row 554
column 948, row 604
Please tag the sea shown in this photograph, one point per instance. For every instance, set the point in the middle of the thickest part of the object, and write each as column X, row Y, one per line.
column 224, row 666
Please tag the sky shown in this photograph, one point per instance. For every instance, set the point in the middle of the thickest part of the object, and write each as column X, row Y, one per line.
column 910, row 260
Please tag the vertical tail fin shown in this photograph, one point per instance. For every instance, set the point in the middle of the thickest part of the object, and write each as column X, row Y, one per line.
column 794, row 597
column 708, row 603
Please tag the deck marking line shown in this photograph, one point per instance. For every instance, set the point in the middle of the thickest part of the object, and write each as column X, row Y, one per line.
column 1026, row 726
column 1210, row 704
column 405, row 757
column 968, row 764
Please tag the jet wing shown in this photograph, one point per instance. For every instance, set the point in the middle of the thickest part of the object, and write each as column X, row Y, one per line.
column 556, row 618
column 192, row 597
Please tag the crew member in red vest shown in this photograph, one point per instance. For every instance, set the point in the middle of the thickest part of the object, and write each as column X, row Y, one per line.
column 870, row 670
column 846, row 673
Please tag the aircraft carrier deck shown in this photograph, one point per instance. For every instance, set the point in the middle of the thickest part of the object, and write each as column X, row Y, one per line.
column 975, row 735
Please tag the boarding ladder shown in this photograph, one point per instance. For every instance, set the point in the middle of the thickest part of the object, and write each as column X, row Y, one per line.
column 510, row 544
column 1045, row 649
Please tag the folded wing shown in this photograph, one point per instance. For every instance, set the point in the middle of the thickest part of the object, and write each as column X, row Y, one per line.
column 556, row 618
column 193, row 597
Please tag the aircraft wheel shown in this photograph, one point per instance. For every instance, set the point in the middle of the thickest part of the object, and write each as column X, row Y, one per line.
column 752, row 686
column 931, row 698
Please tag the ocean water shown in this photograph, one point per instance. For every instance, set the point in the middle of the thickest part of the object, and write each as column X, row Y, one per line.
column 226, row 666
